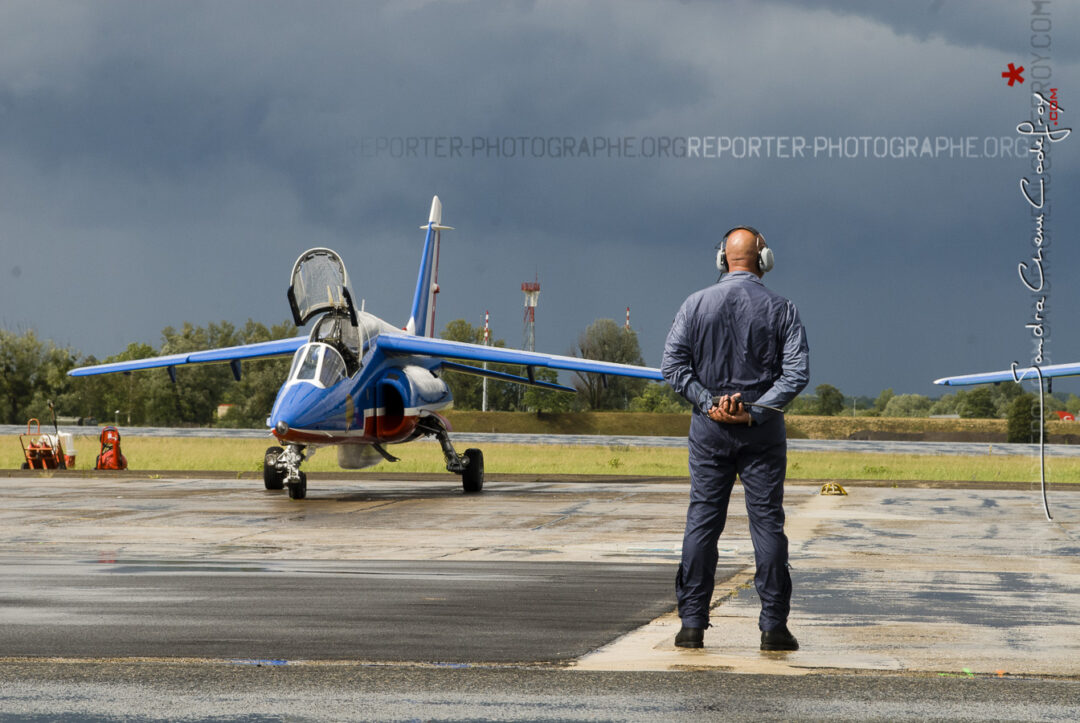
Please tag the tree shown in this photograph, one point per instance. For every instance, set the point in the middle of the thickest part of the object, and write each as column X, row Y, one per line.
column 32, row 372
column 883, row 400
column 946, row 404
column 978, row 403
column 1023, row 419
column 1051, row 404
column 1003, row 395
column 907, row 405
column 1072, row 404
column 467, row 389
column 659, row 397
column 604, row 340
column 862, row 406
column 830, row 401
column 538, row 399
column 253, row 396
column 805, row 404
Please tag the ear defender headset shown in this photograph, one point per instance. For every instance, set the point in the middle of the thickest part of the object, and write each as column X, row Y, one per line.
column 765, row 258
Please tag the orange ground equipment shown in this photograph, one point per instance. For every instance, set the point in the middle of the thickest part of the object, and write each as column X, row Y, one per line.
column 110, row 457
column 42, row 450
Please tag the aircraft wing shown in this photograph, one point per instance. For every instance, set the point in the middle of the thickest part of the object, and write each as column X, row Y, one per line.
column 277, row 347
column 1023, row 374
column 393, row 343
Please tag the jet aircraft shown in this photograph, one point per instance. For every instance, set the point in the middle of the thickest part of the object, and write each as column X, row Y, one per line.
column 360, row 383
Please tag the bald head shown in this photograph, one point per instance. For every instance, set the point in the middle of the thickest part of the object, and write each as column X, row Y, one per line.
column 741, row 251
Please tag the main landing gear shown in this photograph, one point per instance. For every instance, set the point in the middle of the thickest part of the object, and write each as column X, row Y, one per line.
column 281, row 468
column 469, row 465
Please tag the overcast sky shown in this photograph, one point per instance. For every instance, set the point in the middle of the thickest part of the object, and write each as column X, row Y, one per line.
column 167, row 162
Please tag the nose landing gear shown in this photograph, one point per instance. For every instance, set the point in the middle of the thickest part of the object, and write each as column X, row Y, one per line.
column 281, row 468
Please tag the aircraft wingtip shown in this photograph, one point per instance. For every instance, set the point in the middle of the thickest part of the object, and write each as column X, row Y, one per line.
column 436, row 211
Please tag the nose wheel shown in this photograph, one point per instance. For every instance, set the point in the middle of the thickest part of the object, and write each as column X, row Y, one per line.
column 298, row 488
column 281, row 468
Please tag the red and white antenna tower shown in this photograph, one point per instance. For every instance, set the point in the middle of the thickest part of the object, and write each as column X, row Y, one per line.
column 628, row 318
column 531, row 290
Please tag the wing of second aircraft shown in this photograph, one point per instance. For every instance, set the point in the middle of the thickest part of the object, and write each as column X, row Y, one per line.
column 1006, row 375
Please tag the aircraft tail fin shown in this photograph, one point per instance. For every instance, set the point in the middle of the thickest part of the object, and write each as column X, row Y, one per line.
column 422, row 317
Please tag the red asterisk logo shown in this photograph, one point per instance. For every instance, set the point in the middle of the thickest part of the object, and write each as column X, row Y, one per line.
column 1013, row 74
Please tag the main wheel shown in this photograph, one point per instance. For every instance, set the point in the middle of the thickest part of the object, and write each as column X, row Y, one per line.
column 272, row 478
column 472, row 479
column 298, row 490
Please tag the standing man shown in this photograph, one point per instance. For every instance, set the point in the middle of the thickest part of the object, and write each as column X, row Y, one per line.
column 738, row 352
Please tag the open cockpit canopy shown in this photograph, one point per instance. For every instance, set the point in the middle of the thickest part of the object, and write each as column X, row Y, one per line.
column 319, row 283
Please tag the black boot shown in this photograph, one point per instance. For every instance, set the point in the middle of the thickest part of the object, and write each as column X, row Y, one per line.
column 778, row 639
column 690, row 638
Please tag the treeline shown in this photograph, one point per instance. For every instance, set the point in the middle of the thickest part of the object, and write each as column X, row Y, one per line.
column 1000, row 401
column 34, row 371
column 980, row 402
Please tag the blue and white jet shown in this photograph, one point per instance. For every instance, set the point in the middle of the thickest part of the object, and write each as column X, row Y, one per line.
column 360, row 383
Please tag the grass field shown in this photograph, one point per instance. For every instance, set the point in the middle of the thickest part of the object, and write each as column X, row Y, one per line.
column 798, row 426
column 245, row 455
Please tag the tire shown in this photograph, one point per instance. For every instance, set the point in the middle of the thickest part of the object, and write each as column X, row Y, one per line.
column 298, row 490
column 472, row 479
column 25, row 465
column 272, row 478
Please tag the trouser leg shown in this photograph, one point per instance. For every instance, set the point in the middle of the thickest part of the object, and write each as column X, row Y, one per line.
column 711, row 480
column 762, row 476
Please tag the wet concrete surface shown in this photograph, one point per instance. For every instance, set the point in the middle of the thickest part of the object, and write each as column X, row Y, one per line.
column 944, row 585
column 397, row 611
column 890, row 579
column 229, row 692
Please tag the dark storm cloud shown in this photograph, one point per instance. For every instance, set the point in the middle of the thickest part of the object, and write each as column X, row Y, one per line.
column 200, row 146
column 996, row 25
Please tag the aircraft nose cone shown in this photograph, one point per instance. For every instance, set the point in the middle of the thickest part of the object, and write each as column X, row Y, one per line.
column 288, row 408
column 294, row 409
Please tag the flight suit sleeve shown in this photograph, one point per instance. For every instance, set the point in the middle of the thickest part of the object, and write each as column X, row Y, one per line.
column 677, row 364
column 795, row 367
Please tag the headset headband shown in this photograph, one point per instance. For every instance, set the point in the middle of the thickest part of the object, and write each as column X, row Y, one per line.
column 766, row 260
column 751, row 229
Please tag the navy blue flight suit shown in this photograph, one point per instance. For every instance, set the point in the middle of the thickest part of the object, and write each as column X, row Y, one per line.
column 736, row 336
